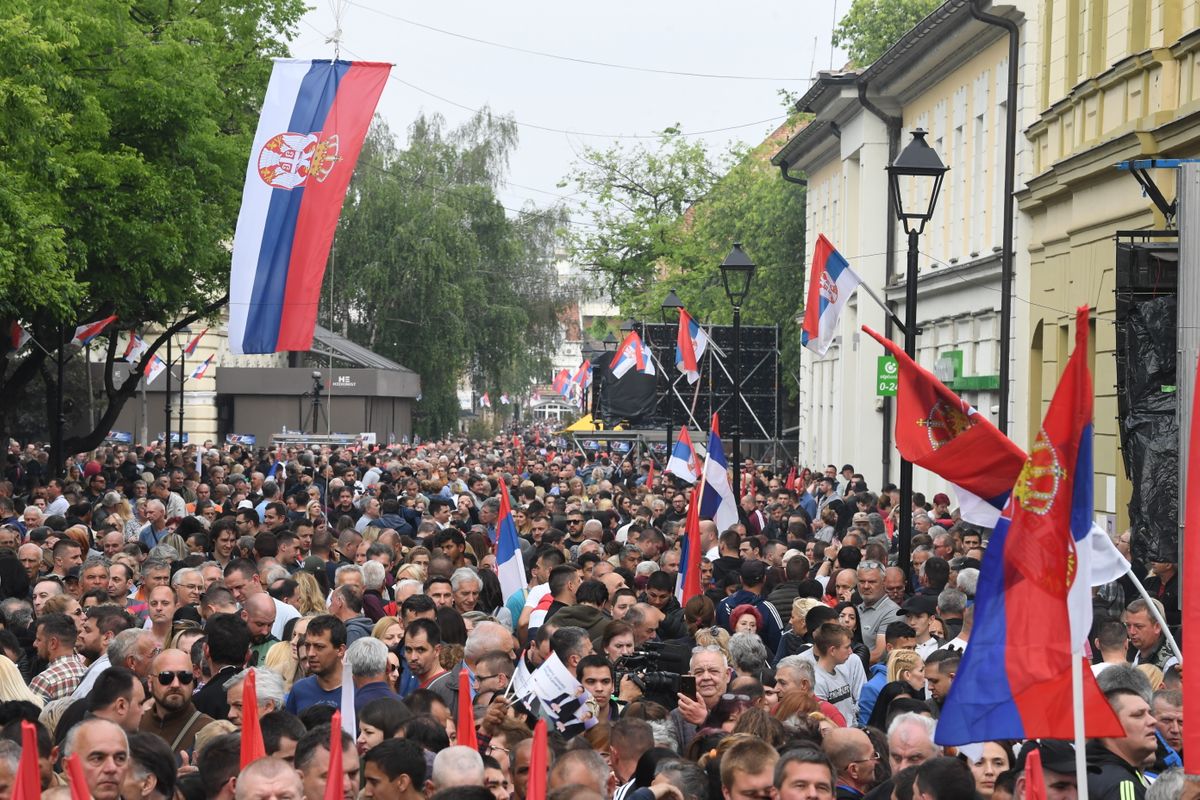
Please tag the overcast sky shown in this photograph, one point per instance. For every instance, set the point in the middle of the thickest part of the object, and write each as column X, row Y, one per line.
column 773, row 40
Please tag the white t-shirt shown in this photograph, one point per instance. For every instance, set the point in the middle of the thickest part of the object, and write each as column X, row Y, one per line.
column 851, row 673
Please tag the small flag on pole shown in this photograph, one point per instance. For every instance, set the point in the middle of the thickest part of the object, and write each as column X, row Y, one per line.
column 631, row 355
column 688, row 581
column 691, row 342
column 539, row 764
column 199, row 371
column 335, row 784
column 466, row 712
column 717, row 500
column 85, row 333
column 28, row 782
column 154, row 368
column 191, row 346
column 253, row 747
column 510, row 569
column 17, row 336
column 684, row 462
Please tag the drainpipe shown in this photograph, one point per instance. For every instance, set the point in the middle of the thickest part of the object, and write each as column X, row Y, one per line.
column 1010, row 166
column 893, row 134
column 783, row 169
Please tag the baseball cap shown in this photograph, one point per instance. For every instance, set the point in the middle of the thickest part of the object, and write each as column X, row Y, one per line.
column 919, row 604
column 1057, row 755
column 754, row 572
column 245, row 504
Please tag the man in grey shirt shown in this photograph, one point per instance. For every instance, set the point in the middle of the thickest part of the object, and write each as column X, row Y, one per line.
column 877, row 610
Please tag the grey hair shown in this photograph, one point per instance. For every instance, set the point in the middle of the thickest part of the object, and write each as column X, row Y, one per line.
column 154, row 562
column 952, row 600
column 462, row 575
column 94, row 561
column 178, row 577
column 367, row 656
column 1124, row 679
column 72, row 735
column 372, row 575
column 407, row 582
column 164, row 553
column 275, row 573
column 123, row 644
column 10, row 754
column 664, row 734
column 916, row 720
column 646, row 568
column 748, row 653
column 1168, row 785
column 349, row 568
column 867, row 566
column 268, row 685
column 968, row 580
column 457, row 766
column 590, row 760
column 18, row 612
column 686, row 776
column 798, row 664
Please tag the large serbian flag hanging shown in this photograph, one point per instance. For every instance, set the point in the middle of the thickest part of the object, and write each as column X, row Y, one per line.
column 314, row 119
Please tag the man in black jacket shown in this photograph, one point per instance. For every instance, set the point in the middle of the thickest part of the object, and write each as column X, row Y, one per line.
column 1115, row 764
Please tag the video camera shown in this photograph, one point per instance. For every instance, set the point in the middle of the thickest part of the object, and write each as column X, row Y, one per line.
column 656, row 669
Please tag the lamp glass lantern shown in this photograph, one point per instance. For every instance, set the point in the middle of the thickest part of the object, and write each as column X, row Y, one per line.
column 671, row 303
column 736, row 271
column 920, row 163
column 610, row 343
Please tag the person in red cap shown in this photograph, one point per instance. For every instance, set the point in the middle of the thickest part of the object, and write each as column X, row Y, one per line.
column 941, row 510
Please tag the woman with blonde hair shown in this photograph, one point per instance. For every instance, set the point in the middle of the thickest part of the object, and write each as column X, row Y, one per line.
column 286, row 658
column 717, row 636
column 389, row 631
column 12, row 685
column 410, row 572
column 309, row 599
column 907, row 666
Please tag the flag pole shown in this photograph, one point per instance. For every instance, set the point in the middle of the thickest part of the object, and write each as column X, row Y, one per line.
column 879, row 301
column 1077, row 709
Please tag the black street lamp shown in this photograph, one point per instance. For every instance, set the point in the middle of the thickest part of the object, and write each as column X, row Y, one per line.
column 920, row 164
column 736, row 271
column 671, row 304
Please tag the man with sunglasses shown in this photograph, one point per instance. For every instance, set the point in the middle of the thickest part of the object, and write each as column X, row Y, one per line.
column 173, row 716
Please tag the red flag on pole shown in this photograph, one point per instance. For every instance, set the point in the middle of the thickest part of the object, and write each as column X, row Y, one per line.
column 791, row 479
column 78, row 781
column 466, row 712
column 690, row 557
column 333, row 786
column 1191, row 580
column 650, row 475
column 1035, row 779
column 253, row 747
column 28, row 783
column 538, row 766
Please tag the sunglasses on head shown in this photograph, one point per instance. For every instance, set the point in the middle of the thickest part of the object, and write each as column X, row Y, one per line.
column 166, row 677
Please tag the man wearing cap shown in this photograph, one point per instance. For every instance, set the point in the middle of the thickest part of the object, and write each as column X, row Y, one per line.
column 754, row 577
column 918, row 612
column 1058, row 770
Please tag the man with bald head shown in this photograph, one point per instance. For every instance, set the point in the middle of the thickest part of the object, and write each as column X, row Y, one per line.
column 173, row 717
column 268, row 778
column 854, row 758
column 103, row 751
column 259, row 613
column 30, row 556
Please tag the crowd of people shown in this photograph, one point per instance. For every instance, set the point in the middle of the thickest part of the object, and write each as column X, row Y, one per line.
column 143, row 589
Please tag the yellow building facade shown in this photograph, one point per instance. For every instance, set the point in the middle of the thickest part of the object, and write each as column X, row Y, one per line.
column 1119, row 80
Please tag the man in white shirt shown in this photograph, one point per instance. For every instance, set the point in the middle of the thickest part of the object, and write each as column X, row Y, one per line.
column 918, row 612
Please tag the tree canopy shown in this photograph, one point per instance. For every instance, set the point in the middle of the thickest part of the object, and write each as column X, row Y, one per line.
column 666, row 216
column 433, row 272
column 870, row 27
column 125, row 126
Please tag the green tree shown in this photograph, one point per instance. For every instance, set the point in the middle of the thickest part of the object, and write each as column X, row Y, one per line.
column 435, row 273
column 126, row 126
column 870, row 27
column 642, row 246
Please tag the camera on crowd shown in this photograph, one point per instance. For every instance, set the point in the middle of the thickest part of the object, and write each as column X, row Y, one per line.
column 656, row 669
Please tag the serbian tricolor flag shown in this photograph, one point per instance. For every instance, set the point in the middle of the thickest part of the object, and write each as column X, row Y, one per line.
column 314, row 118
column 938, row 431
column 191, row 346
column 17, row 336
column 829, row 287
column 1014, row 681
column 485, row 401
column 85, row 333
column 199, row 371
column 510, row 569
column 717, row 501
column 155, row 367
column 690, row 343
column 687, row 583
column 135, row 347
column 684, row 463
column 583, row 376
column 504, row 401
column 630, row 355
column 562, row 383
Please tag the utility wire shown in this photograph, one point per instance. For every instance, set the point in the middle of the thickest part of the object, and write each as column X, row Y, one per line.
column 576, row 59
